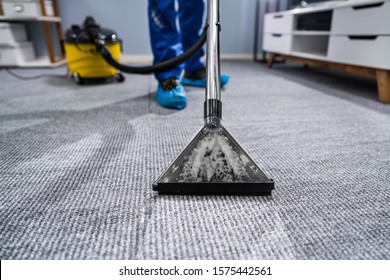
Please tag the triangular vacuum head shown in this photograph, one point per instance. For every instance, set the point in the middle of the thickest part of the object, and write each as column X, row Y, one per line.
column 213, row 163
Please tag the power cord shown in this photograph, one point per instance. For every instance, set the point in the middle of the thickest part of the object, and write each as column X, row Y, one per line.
column 41, row 76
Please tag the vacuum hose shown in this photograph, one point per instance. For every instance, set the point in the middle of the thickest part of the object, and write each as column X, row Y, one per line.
column 163, row 66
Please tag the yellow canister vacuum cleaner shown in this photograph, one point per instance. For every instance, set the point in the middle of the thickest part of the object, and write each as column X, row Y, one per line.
column 93, row 52
column 84, row 61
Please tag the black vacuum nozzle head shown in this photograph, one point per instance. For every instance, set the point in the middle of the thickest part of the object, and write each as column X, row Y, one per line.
column 214, row 163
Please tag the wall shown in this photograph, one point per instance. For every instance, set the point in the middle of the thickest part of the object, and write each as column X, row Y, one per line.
column 237, row 21
column 129, row 19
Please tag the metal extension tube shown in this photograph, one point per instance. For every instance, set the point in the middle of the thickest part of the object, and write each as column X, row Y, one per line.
column 213, row 104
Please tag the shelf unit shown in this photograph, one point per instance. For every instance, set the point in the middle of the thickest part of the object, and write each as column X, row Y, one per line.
column 52, row 60
column 349, row 36
column 316, row 45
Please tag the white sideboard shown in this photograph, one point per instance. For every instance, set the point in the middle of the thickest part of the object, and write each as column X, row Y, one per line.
column 352, row 35
column 44, row 12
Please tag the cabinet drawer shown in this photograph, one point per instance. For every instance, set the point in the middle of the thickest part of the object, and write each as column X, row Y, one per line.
column 16, row 55
column 372, row 18
column 12, row 33
column 278, row 23
column 26, row 8
column 279, row 43
column 358, row 50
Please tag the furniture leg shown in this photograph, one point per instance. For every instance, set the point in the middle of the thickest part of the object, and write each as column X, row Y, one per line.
column 271, row 60
column 383, row 81
column 58, row 29
column 43, row 8
column 49, row 43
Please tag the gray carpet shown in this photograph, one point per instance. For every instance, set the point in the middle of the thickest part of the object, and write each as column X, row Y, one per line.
column 77, row 164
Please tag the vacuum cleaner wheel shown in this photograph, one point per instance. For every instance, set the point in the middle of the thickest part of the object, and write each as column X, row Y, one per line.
column 76, row 77
column 119, row 77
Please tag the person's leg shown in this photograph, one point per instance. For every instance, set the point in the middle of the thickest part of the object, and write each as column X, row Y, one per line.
column 191, row 21
column 166, row 44
column 164, row 36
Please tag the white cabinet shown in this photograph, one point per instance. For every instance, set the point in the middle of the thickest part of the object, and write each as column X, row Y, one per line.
column 22, row 11
column 354, row 32
column 351, row 36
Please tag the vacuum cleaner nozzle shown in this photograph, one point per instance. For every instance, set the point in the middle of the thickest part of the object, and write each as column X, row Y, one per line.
column 214, row 163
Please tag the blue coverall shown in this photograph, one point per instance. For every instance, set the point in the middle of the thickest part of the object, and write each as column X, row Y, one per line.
column 169, row 42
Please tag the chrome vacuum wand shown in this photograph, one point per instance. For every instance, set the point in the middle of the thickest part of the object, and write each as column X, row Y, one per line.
column 213, row 104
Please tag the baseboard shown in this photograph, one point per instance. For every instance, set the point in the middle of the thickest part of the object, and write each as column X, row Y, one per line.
column 148, row 59
column 244, row 56
column 137, row 59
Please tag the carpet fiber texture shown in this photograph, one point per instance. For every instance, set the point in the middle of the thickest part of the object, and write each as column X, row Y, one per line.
column 77, row 164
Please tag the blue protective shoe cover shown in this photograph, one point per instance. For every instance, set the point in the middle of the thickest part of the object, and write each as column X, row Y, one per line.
column 175, row 98
column 202, row 82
